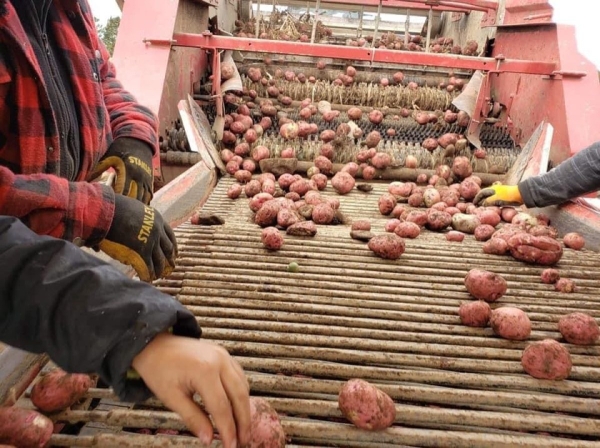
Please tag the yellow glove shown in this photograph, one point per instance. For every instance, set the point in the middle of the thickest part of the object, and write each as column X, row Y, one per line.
column 499, row 195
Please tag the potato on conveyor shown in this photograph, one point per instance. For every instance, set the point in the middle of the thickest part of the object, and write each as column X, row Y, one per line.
column 265, row 427
column 58, row 390
column 510, row 323
column 366, row 406
column 475, row 314
column 389, row 246
column 579, row 328
column 24, row 427
column 485, row 285
column 547, row 360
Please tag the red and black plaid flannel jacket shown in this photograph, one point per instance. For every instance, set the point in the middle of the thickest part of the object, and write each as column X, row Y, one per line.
column 29, row 144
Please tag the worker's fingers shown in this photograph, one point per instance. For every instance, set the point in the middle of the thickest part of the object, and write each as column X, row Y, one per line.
column 193, row 417
column 219, row 407
column 238, row 391
column 240, row 372
column 158, row 260
column 484, row 194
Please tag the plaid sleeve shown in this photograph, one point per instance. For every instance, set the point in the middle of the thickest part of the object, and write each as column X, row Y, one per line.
column 50, row 205
column 574, row 177
column 128, row 118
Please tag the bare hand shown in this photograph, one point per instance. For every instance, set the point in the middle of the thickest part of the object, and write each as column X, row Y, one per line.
column 175, row 368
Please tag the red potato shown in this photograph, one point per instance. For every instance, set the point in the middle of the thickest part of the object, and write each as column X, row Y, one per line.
column 422, row 178
column 375, row 116
column 234, row 191
column 24, row 428
column 452, row 210
column 287, row 217
column 288, row 153
column 391, row 225
column 292, row 196
column 430, row 144
column 268, row 186
column 547, row 360
column 574, row 241
column 455, row 236
column 485, row 285
column 350, row 168
column 411, row 162
column 495, row 246
column 354, row 113
column 419, row 217
column 461, row 167
column 407, row 229
column 396, row 188
column 565, row 285
column 266, row 215
column 447, row 139
column 510, row 323
column 398, row 211
column 579, row 329
column 475, row 314
column 271, row 238
column 327, row 135
column 265, row 427
column 488, row 217
column 324, row 164
column 438, row 220
column 469, row 189
column 58, row 390
column 249, row 165
column 540, row 230
column 431, row 197
column 343, row 182
column 415, row 199
column 439, row 206
column 320, row 181
column 301, row 186
column 484, row 232
column 313, row 197
column 260, row 152
column 386, row 203
column 373, row 138
column 450, row 197
column 242, row 150
column 285, row 180
column 323, row 214
column 443, row 171
column 535, row 249
column 550, row 276
column 388, row 246
column 252, row 188
column 508, row 214
column 381, row 160
column 366, row 406
column 232, row 167
column 226, row 155
column 243, row 176
column 361, row 224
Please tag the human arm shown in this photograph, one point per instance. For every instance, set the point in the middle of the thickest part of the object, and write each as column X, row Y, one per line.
column 88, row 317
column 574, row 177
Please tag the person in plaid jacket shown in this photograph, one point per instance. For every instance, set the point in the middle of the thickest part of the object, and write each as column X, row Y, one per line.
column 63, row 114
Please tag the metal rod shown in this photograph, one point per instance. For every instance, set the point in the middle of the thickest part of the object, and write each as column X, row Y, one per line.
column 360, row 21
column 407, row 28
column 377, row 20
column 429, row 25
column 258, row 19
column 364, row 54
column 314, row 27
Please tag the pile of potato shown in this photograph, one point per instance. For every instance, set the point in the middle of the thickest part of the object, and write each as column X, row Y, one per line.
column 546, row 359
column 55, row 391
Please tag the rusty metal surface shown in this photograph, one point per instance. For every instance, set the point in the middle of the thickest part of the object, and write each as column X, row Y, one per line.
column 347, row 314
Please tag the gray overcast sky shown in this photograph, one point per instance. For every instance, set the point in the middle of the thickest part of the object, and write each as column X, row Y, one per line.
column 572, row 12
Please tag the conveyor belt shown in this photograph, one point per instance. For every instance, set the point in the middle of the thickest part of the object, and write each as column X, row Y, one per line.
column 348, row 314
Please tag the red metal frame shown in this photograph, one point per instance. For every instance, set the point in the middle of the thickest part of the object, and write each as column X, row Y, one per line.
column 456, row 6
column 213, row 43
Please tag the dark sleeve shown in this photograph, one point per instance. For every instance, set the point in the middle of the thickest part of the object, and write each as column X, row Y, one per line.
column 80, row 310
column 574, row 177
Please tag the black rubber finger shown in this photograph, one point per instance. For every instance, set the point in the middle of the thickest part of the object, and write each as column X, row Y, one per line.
column 158, row 260
column 170, row 250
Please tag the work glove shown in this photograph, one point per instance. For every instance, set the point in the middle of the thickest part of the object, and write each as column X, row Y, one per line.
column 132, row 160
column 499, row 195
column 140, row 238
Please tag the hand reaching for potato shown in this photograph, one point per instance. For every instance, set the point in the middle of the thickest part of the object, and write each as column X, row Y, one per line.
column 174, row 368
column 499, row 195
